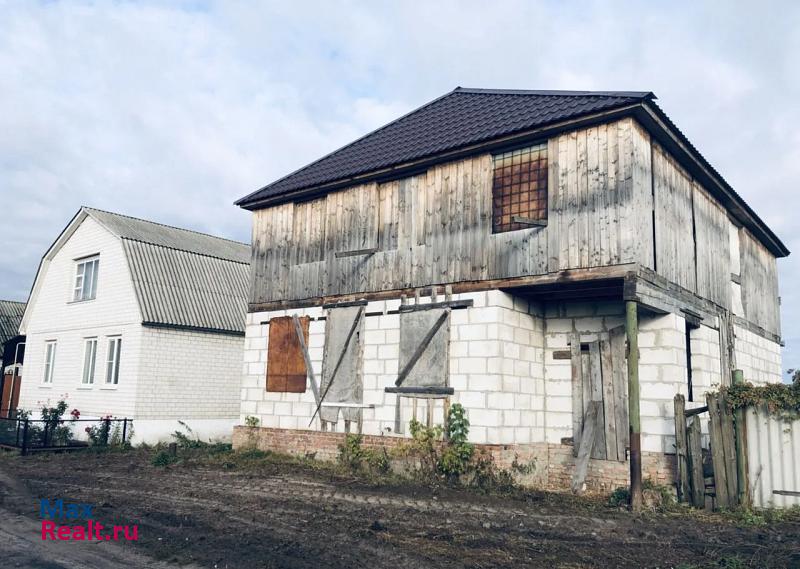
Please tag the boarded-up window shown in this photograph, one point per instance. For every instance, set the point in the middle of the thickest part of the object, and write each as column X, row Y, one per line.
column 519, row 188
column 286, row 368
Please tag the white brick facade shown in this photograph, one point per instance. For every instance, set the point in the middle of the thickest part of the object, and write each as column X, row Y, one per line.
column 501, row 368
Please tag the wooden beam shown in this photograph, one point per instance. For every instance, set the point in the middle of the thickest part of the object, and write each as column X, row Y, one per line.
column 528, row 221
column 301, row 339
column 529, row 281
column 420, row 390
column 452, row 304
column 634, row 422
column 356, row 252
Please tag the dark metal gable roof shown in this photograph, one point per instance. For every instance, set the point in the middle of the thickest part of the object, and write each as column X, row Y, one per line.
column 460, row 118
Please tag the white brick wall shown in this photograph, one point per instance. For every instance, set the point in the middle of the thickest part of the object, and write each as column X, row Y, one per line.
column 188, row 375
column 493, row 368
column 757, row 357
column 502, row 368
column 53, row 317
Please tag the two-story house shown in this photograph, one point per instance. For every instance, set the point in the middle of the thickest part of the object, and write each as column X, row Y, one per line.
column 136, row 319
column 538, row 256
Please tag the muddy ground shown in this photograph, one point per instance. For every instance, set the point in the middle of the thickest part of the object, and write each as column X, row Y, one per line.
column 226, row 511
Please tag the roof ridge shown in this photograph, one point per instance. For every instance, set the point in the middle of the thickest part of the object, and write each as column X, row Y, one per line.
column 556, row 92
column 349, row 144
column 190, row 252
column 87, row 208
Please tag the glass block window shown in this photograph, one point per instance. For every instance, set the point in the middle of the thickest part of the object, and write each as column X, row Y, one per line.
column 519, row 188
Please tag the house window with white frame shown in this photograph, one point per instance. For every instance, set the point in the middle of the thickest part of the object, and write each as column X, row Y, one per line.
column 112, row 360
column 49, row 361
column 86, row 279
column 89, row 358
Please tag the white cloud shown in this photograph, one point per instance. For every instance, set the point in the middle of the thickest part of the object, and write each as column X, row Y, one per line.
column 172, row 111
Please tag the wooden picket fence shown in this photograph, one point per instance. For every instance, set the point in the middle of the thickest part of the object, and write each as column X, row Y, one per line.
column 720, row 483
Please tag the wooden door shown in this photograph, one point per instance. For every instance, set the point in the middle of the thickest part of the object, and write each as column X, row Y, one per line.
column 599, row 374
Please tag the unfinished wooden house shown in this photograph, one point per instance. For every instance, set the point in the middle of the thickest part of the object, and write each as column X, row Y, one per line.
column 507, row 250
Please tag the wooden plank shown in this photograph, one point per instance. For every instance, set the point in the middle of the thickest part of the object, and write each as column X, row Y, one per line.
column 596, row 383
column 420, row 390
column 301, row 339
column 681, row 449
column 697, row 485
column 620, row 377
column 609, row 401
column 356, row 252
column 577, row 390
column 722, row 498
column 451, row 304
column 590, row 425
column 421, row 348
column 729, row 448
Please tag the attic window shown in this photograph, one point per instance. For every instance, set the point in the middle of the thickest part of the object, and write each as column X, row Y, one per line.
column 519, row 189
column 86, row 279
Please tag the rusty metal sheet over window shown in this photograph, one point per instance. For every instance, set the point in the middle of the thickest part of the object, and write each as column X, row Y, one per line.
column 286, row 367
column 519, row 187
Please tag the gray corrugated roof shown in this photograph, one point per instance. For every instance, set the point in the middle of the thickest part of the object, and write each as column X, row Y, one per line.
column 145, row 231
column 182, row 278
column 458, row 119
column 10, row 317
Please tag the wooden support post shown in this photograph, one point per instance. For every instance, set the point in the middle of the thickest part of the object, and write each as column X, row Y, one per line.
column 681, row 452
column 429, row 413
column 634, row 423
column 740, row 424
column 695, row 463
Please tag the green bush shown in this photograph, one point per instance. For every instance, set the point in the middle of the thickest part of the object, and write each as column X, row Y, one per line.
column 359, row 459
column 163, row 458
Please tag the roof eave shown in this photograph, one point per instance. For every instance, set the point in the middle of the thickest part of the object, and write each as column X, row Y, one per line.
column 407, row 168
column 661, row 126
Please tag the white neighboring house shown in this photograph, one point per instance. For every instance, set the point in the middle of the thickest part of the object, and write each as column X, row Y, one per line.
column 140, row 320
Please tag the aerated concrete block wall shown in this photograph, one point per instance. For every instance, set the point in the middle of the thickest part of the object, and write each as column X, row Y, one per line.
column 496, row 369
column 757, row 357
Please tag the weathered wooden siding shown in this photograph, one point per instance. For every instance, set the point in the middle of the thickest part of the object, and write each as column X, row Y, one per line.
column 614, row 196
column 713, row 254
column 436, row 227
column 759, row 273
column 672, row 188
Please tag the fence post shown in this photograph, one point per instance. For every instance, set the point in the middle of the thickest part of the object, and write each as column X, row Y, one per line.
column 25, row 438
column 740, row 434
column 124, row 430
column 681, row 454
column 106, row 431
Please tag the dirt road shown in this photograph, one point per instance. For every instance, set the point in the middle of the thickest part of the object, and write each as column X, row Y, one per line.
column 226, row 515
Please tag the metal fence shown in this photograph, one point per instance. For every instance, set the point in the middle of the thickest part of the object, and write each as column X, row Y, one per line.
column 773, row 458
column 35, row 435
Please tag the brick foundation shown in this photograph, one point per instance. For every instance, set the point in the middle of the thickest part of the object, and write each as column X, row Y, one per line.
column 551, row 464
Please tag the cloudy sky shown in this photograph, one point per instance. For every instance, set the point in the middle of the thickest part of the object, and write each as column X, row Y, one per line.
column 172, row 110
